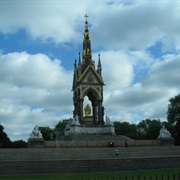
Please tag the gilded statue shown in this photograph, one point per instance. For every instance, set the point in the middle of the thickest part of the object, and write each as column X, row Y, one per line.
column 87, row 110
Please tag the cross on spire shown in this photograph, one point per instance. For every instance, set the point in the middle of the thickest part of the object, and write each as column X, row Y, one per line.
column 86, row 16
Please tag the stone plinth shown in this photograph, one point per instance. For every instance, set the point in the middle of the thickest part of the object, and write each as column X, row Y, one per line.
column 75, row 130
column 36, row 143
column 88, row 120
column 84, row 129
column 166, row 141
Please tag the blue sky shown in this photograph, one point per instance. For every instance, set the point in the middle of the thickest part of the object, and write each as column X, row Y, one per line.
column 139, row 43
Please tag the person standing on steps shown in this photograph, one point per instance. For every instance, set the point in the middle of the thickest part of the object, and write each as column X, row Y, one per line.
column 117, row 152
column 126, row 144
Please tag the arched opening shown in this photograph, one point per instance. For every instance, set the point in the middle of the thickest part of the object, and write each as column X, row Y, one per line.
column 85, row 103
column 90, row 100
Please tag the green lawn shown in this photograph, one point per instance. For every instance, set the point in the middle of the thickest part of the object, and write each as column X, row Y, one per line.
column 116, row 175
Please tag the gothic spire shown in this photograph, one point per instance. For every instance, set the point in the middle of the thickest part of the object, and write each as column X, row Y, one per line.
column 87, row 53
column 99, row 67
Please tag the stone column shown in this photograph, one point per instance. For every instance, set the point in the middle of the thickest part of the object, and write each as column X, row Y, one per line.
column 81, row 109
column 95, row 112
column 75, row 112
column 100, row 121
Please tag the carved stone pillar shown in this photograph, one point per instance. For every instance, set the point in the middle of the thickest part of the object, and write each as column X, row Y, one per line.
column 95, row 112
column 100, row 121
column 81, row 109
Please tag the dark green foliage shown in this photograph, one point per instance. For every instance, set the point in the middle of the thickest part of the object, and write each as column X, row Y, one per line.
column 19, row 144
column 149, row 129
column 146, row 129
column 61, row 126
column 173, row 117
column 5, row 142
column 47, row 133
column 4, row 139
column 126, row 129
column 173, row 113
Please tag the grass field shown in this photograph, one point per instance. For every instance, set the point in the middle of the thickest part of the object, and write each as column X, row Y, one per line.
column 158, row 174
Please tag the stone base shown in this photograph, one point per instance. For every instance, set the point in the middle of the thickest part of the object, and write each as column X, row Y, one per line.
column 88, row 120
column 36, row 143
column 167, row 141
column 90, row 130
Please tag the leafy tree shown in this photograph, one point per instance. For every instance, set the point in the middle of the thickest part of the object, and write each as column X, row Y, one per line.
column 173, row 117
column 51, row 134
column 132, row 131
column 19, row 144
column 117, row 126
column 5, row 142
column 126, row 129
column 149, row 129
column 60, row 127
column 48, row 134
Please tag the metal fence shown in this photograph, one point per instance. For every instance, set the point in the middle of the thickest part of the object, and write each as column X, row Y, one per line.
column 173, row 176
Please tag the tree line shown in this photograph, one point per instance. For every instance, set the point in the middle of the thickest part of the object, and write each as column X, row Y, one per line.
column 5, row 141
column 147, row 129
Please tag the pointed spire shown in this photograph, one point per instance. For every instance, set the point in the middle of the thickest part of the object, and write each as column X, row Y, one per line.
column 99, row 67
column 99, row 60
column 87, row 53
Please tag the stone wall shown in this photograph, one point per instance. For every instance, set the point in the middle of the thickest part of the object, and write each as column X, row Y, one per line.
column 90, row 144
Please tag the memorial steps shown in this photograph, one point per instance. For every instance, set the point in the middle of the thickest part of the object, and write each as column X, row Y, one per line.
column 58, row 160
column 62, row 166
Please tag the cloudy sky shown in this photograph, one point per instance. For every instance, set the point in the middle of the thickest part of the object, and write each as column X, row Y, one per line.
column 139, row 43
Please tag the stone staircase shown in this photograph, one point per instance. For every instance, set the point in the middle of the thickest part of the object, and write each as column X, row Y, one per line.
column 58, row 160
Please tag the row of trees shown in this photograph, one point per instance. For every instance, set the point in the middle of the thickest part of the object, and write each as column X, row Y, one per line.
column 149, row 129
column 5, row 142
column 145, row 129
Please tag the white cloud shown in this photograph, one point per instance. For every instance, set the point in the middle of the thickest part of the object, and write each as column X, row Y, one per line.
column 132, row 25
column 33, row 90
column 57, row 20
column 150, row 96
column 165, row 73
column 138, row 25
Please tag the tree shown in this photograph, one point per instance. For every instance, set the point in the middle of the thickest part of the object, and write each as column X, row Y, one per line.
column 173, row 117
column 19, row 144
column 48, row 134
column 149, row 129
column 126, row 129
column 52, row 134
column 61, row 126
column 5, row 142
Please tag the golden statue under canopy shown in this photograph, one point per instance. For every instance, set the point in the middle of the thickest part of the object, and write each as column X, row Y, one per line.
column 87, row 110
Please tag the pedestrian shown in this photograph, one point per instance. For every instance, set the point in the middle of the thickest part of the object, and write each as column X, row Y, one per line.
column 126, row 144
column 117, row 152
